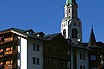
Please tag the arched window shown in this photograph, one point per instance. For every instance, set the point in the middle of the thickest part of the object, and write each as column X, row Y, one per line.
column 74, row 33
column 69, row 10
column 64, row 33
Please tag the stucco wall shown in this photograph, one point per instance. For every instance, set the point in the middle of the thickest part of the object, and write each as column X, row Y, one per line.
column 23, row 55
column 37, row 54
column 82, row 62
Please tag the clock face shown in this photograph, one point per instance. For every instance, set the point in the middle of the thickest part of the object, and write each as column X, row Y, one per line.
column 74, row 24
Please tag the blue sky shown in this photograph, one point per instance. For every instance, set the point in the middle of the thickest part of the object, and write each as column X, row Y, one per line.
column 46, row 16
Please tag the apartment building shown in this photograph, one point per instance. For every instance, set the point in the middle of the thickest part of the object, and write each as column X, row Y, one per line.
column 25, row 49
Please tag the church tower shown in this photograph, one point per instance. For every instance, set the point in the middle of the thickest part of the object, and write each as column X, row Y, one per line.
column 71, row 27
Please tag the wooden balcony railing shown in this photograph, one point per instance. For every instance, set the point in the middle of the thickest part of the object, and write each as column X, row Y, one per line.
column 9, row 53
column 1, row 56
column 1, row 64
column 1, row 42
column 9, row 62
column 8, row 39
column 8, row 49
column 1, row 51
column 8, row 66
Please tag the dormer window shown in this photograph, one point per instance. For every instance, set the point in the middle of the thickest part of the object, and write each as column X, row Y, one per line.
column 40, row 34
column 31, row 33
column 74, row 33
column 27, row 32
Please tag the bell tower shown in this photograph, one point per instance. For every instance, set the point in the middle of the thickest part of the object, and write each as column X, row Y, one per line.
column 71, row 27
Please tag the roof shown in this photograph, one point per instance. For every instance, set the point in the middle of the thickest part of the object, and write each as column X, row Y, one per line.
column 70, row 2
column 52, row 36
column 92, row 40
column 100, row 44
column 34, row 35
column 101, row 66
column 49, row 37
column 85, row 45
column 81, row 45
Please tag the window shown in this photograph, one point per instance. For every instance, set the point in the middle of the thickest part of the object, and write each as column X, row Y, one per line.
column 82, row 67
column 93, row 57
column 33, row 60
column 33, row 47
column 69, row 10
column 38, row 61
column 64, row 33
column 81, row 56
column 93, row 68
column 30, row 33
column 74, row 33
column 37, row 47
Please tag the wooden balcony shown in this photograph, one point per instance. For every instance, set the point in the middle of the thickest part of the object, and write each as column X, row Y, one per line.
column 1, row 42
column 1, row 51
column 8, row 39
column 1, row 64
column 1, row 56
column 8, row 66
column 8, row 53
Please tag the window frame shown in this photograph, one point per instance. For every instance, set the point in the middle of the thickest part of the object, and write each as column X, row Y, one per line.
column 34, row 59
column 38, row 47
column 34, row 47
column 38, row 61
column 93, row 57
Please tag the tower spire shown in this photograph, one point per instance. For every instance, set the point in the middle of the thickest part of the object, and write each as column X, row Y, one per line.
column 92, row 40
